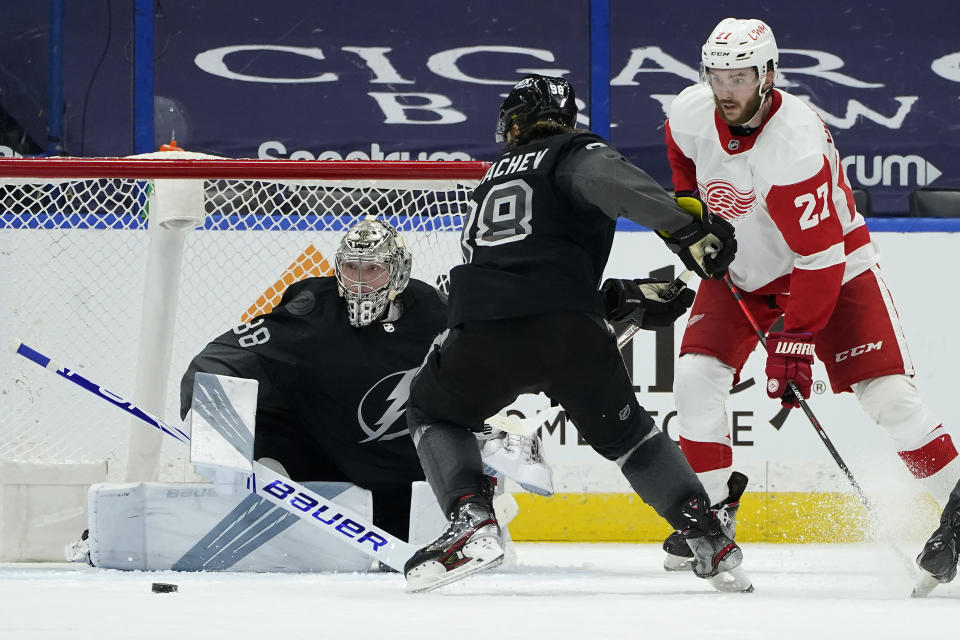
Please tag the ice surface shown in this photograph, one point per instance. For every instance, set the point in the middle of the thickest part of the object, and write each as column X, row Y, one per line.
column 557, row 591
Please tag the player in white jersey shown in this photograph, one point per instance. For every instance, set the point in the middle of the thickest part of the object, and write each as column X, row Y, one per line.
column 764, row 160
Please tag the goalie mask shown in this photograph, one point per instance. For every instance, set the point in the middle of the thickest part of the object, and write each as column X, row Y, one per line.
column 740, row 44
column 372, row 267
column 537, row 98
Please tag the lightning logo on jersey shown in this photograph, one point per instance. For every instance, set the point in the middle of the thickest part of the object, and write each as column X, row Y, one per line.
column 396, row 400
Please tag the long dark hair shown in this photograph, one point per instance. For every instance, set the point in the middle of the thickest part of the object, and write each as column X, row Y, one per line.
column 538, row 130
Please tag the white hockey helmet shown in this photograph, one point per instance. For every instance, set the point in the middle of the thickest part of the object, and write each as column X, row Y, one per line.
column 371, row 241
column 737, row 43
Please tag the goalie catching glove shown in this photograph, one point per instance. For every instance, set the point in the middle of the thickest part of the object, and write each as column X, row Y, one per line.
column 641, row 302
column 706, row 246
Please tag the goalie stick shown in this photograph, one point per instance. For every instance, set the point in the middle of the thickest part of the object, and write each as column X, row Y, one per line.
column 338, row 522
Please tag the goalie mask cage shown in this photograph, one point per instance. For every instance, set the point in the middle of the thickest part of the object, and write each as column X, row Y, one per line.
column 126, row 268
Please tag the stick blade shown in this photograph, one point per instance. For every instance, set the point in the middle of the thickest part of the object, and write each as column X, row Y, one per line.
column 924, row 586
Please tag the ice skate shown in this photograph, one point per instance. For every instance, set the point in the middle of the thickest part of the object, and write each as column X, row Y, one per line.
column 518, row 458
column 679, row 557
column 471, row 542
column 938, row 558
column 79, row 549
column 716, row 557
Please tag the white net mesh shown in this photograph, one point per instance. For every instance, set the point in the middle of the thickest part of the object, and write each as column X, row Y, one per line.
column 73, row 255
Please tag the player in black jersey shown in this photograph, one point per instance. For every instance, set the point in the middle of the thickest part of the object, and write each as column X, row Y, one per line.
column 334, row 361
column 525, row 314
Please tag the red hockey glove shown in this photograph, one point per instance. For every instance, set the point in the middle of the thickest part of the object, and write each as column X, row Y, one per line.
column 789, row 358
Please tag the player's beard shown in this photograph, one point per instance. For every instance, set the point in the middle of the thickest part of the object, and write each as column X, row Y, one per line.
column 747, row 111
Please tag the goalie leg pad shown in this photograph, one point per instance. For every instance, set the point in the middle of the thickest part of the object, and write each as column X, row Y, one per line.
column 205, row 527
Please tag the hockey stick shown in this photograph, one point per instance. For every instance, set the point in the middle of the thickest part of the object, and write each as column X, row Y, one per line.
column 336, row 521
column 908, row 563
column 800, row 400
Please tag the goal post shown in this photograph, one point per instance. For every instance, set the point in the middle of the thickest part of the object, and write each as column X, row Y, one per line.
column 128, row 267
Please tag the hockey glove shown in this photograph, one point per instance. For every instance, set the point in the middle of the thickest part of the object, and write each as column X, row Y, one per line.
column 789, row 358
column 707, row 245
column 641, row 302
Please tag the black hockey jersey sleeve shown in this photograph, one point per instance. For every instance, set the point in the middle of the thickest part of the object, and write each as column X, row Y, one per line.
column 597, row 175
column 272, row 362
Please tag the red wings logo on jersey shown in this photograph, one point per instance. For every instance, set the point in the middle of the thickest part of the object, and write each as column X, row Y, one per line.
column 727, row 201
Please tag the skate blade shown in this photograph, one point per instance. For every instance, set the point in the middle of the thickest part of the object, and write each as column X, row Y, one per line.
column 677, row 563
column 925, row 585
column 538, row 483
column 733, row 581
column 539, row 489
column 486, row 553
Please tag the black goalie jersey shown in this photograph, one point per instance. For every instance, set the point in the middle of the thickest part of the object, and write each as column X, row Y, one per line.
column 331, row 399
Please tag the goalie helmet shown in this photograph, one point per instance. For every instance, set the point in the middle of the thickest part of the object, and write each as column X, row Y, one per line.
column 537, row 98
column 372, row 267
column 740, row 44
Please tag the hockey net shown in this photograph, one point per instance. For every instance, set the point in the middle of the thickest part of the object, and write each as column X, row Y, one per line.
column 90, row 257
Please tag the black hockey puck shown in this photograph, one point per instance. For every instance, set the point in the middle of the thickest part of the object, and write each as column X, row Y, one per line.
column 163, row 587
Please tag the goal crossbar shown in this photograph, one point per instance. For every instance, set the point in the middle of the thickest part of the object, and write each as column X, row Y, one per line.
column 228, row 169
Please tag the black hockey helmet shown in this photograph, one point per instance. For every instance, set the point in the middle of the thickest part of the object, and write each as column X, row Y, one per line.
column 537, row 98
